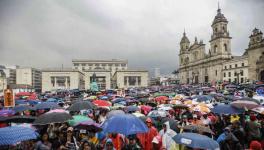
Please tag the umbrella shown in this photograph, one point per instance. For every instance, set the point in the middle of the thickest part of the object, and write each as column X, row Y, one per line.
column 143, row 100
column 21, row 101
column 126, row 124
column 249, row 99
column 173, row 124
column 117, row 100
column 138, row 114
column 198, row 128
column 52, row 117
column 34, row 102
column 89, row 126
column 259, row 110
column 77, row 119
column 202, row 98
column 114, row 112
column 244, row 104
column 20, row 119
column 47, row 105
column 7, row 112
column 104, row 98
column 161, row 98
column 132, row 108
column 21, row 108
column 158, row 113
column 145, row 109
column 226, row 109
column 14, row 134
column 81, row 105
column 180, row 106
column 102, row 103
column 195, row 140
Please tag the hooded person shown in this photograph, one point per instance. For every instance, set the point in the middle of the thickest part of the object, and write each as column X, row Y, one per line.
column 230, row 143
column 146, row 138
column 167, row 134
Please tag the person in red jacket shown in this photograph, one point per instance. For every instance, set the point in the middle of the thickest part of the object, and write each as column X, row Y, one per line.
column 146, row 138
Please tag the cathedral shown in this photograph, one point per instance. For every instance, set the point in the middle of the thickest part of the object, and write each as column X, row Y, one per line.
column 218, row 65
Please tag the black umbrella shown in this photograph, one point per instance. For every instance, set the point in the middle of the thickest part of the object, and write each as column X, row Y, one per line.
column 54, row 117
column 198, row 128
column 21, row 119
column 81, row 105
column 21, row 108
column 47, row 105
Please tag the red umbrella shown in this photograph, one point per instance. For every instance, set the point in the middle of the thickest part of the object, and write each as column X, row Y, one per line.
column 161, row 98
column 102, row 103
column 146, row 109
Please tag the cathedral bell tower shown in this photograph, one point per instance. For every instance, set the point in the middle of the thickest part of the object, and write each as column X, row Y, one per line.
column 184, row 47
column 220, row 40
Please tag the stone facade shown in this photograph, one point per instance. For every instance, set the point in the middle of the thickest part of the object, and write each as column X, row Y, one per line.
column 53, row 79
column 255, row 52
column 197, row 66
column 236, row 69
column 130, row 78
column 103, row 78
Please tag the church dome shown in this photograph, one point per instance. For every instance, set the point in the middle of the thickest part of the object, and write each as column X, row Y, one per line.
column 219, row 17
column 184, row 39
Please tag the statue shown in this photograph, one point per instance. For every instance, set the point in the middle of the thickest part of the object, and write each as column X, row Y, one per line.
column 94, row 77
column 94, row 86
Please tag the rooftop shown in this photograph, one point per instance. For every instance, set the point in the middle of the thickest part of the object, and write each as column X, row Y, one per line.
column 100, row 61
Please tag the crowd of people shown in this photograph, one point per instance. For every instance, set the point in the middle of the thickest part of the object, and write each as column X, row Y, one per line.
column 165, row 114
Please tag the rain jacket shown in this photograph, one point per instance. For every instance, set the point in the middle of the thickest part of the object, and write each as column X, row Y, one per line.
column 167, row 136
column 146, row 138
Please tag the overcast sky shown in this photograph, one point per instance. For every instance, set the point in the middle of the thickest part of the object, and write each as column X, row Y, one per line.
column 48, row 33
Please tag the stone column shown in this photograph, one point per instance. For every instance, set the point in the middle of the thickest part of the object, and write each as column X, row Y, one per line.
column 136, row 81
column 66, row 82
column 55, row 82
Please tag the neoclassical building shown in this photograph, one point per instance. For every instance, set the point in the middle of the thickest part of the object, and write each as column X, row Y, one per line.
column 197, row 66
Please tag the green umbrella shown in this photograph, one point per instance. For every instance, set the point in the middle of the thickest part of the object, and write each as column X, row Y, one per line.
column 77, row 119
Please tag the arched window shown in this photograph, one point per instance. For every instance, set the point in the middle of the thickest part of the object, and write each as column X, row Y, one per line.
column 215, row 48
column 223, row 28
column 225, row 47
column 215, row 29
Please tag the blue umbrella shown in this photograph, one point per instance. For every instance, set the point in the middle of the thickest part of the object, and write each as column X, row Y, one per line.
column 47, row 105
column 34, row 102
column 14, row 134
column 114, row 112
column 117, row 100
column 103, row 98
column 7, row 112
column 195, row 140
column 21, row 102
column 20, row 108
column 202, row 98
column 132, row 108
column 54, row 100
column 126, row 124
column 226, row 109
